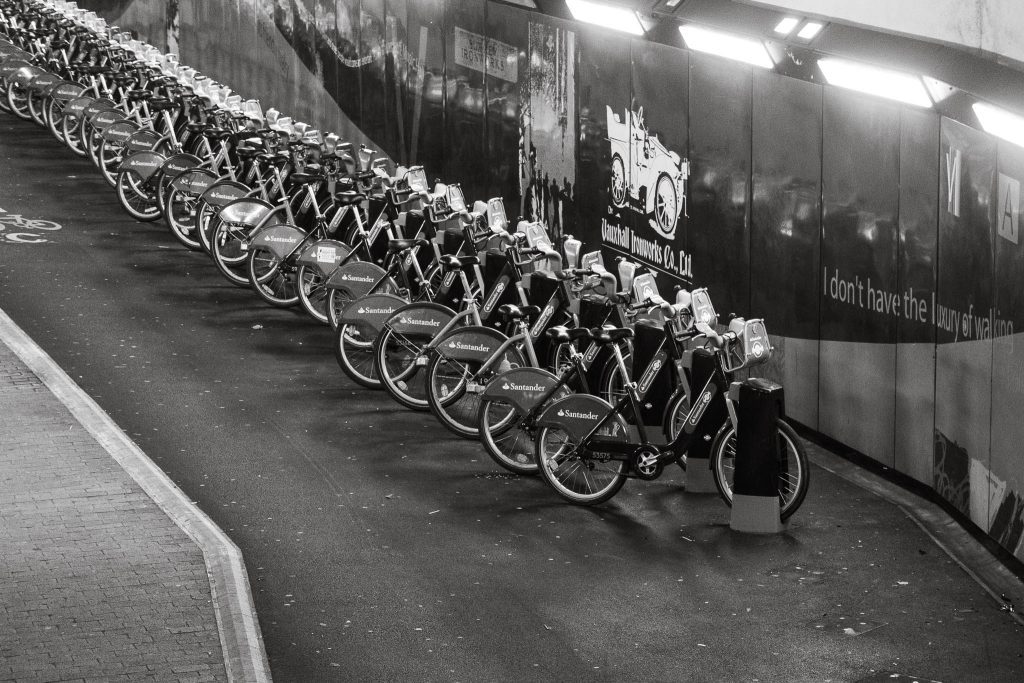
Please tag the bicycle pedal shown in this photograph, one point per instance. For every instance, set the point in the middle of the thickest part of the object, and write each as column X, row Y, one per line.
column 421, row 360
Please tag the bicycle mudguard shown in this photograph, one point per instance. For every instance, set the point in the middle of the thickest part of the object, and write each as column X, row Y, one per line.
column 471, row 343
column 67, row 91
column 194, row 181
column 119, row 131
column 371, row 311
column 324, row 256
column 178, row 163
column 96, row 106
column 44, row 80
column 11, row 67
column 426, row 319
column 279, row 239
column 356, row 277
column 77, row 105
column 247, row 211
column 142, row 141
column 102, row 119
column 143, row 164
column 23, row 75
column 578, row 414
column 523, row 388
column 225, row 192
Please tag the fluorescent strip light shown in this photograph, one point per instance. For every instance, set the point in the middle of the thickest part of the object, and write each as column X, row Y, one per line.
column 1000, row 122
column 727, row 45
column 810, row 29
column 786, row 26
column 609, row 16
column 874, row 80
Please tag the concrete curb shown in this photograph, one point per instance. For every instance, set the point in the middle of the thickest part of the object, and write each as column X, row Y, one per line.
column 244, row 656
column 973, row 557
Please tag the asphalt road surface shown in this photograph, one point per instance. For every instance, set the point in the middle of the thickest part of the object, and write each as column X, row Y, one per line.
column 380, row 549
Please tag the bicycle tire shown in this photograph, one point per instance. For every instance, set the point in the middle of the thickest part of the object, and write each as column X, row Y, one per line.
column 394, row 355
column 505, row 438
column 134, row 197
column 179, row 210
column 355, row 354
column 275, row 286
column 313, row 293
column 227, row 253
column 17, row 100
column 792, row 487
column 570, row 477
column 454, row 407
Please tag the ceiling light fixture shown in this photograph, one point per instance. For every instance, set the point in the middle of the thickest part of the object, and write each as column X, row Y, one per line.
column 1000, row 122
column 608, row 16
column 727, row 45
column 875, row 80
column 810, row 30
column 786, row 26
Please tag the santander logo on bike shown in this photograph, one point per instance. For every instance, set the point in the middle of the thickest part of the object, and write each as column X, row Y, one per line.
column 493, row 298
column 423, row 323
column 285, row 240
column 512, row 386
column 469, row 347
column 698, row 410
column 578, row 415
column 356, row 278
column 376, row 311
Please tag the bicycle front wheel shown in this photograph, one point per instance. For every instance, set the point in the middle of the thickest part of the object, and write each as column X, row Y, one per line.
column 794, row 471
column 136, row 197
column 508, row 441
column 580, row 478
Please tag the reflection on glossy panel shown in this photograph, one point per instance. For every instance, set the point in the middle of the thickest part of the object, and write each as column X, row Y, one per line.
column 915, row 362
column 466, row 62
column 508, row 36
column 1006, row 485
column 963, row 373
column 785, row 232
column 720, row 130
column 374, row 114
column 424, row 106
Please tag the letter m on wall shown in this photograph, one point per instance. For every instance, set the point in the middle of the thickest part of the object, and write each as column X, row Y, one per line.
column 1009, row 208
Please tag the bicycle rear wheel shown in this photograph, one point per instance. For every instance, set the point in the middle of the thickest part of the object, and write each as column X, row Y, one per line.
column 398, row 369
column 581, row 479
column 136, row 197
column 794, row 471
column 353, row 349
column 313, row 293
column 272, row 279
column 509, row 442
column 227, row 252
column 451, row 395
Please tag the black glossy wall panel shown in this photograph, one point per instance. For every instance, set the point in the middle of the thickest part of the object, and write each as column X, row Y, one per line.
column 466, row 60
column 963, row 373
column 916, row 276
column 860, row 181
column 507, row 81
column 786, row 209
column 425, row 104
column 373, row 111
column 720, row 132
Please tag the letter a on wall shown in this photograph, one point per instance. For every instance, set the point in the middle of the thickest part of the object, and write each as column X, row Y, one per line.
column 1009, row 208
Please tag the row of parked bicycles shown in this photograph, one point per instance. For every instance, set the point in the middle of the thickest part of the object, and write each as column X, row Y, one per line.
column 557, row 365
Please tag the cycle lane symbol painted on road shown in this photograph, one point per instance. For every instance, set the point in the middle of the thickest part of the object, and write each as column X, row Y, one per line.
column 16, row 229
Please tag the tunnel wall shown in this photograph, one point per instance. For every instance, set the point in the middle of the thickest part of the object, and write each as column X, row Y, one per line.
column 881, row 243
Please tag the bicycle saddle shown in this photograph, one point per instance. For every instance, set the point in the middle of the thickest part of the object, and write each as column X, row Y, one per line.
column 217, row 133
column 246, row 152
column 138, row 94
column 511, row 312
column 160, row 103
column 396, row 246
column 347, row 197
column 305, row 178
column 560, row 334
column 610, row 335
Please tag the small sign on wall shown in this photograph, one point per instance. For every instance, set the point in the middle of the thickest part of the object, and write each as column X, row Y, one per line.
column 1009, row 208
column 485, row 55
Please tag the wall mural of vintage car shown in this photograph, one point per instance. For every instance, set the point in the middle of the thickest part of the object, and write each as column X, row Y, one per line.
column 646, row 176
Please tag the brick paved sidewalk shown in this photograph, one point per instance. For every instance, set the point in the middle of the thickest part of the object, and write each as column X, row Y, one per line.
column 96, row 582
